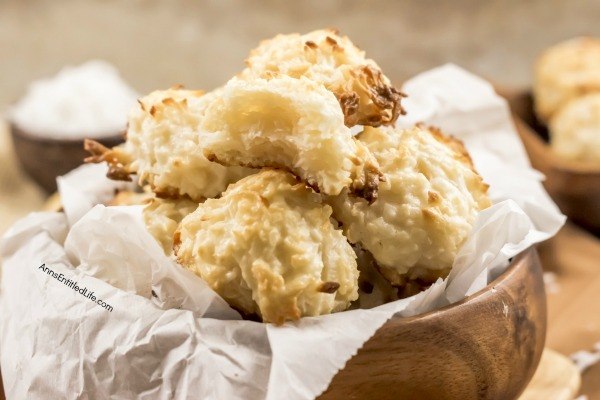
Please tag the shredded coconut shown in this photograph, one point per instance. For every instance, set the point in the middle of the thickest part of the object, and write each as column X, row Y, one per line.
column 90, row 100
column 551, row 283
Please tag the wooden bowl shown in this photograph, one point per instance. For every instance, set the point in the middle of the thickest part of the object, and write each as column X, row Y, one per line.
column 485, row 347
column 574, row 186
column 43, row 159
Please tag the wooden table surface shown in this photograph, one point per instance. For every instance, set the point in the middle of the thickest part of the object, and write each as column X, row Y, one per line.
column 574, row 304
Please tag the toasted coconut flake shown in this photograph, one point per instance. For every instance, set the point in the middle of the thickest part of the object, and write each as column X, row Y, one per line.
column 328, row 287
column 311, row 44
column 116, row 159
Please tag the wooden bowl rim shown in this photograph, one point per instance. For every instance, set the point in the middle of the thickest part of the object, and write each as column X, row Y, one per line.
column 516, row 263
column 23, row 133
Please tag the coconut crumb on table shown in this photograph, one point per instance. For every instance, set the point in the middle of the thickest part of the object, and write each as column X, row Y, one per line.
column 585, row 359
column 551, row 283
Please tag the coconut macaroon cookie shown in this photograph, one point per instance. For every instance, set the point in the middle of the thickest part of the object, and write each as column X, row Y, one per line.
column 293, row 124
column 162, row 216
column 268, row 247
column 366, row 96
column 564, row 72
column 163, row 148
column 426, row 206
column 575, row 129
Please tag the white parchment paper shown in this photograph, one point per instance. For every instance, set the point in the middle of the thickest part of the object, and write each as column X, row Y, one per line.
column 170, row 336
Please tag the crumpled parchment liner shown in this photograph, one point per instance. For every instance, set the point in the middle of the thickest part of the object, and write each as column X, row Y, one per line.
column 184, row 341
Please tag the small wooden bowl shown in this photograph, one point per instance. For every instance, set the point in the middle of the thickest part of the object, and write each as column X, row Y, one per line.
column 43, row 159
column 574, row 186
column 485, row 347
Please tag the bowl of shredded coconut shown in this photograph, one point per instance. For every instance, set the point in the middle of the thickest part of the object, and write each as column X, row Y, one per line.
column 50, row 121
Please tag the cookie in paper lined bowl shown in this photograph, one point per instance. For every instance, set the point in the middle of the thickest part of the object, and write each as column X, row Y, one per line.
column 284, row 256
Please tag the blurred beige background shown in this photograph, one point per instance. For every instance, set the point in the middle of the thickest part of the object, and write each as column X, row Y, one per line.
column 202, row 43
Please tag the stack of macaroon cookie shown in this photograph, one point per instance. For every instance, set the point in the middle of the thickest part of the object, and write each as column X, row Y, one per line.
column 263, row 190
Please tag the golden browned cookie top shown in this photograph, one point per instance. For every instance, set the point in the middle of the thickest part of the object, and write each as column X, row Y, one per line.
column 365, row 94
